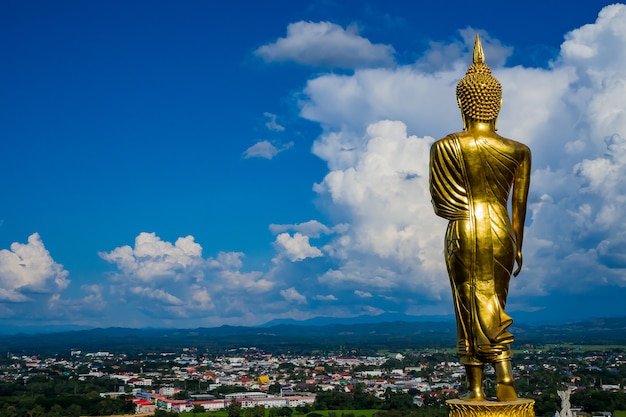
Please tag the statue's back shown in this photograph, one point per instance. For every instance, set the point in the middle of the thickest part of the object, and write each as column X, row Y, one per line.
column 491, row 163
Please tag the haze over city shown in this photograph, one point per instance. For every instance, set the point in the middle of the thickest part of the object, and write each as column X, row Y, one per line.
column 200, row 164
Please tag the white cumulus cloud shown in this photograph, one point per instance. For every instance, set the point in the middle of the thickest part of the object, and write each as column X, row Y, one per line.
column 159, row 295
column 363, row 294
column 154, row 259
column 87, row 310
column 296, row 247
column 271, row 123
column 312, row 228
column 175, row 282
column 394, row 239
column 442, row 56
column 265, row 149
column 293, row 296
column 329, row 297
column 325, row 44
column 28, row 268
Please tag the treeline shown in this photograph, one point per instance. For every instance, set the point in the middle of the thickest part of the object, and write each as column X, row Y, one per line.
column 590, row 400
column 391, row 404
column 401, row 403
column 40, row 396
column 332, row 403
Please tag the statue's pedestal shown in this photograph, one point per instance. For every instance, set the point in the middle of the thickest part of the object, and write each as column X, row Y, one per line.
column 522, row 407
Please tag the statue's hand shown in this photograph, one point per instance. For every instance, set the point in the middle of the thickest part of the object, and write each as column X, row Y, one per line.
column 518, row 259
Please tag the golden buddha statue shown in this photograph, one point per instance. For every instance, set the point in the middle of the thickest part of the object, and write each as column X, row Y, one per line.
column 472, row 174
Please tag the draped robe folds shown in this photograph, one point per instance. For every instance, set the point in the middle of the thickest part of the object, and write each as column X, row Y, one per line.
column 470, row 181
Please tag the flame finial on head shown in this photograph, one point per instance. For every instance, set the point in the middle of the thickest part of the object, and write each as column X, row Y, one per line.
column 479, row 94
column 479, row 54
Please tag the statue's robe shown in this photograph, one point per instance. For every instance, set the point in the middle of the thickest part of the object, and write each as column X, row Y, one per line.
column 470, row 181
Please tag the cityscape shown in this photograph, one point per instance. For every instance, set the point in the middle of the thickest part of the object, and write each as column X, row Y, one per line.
column 305, row 379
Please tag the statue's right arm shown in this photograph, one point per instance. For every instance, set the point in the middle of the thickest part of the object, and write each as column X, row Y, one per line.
column 433, row 180
column 521, row 186
column 446, row 179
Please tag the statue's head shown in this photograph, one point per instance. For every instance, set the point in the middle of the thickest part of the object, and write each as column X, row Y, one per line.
column 479, row 93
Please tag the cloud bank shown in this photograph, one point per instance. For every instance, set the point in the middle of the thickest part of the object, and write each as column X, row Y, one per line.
column 571, row 114
column 382, row 248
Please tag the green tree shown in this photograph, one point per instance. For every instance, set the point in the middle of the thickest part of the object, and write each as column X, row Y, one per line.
column 595, row 400
column 397, row 400
column 181, row 395
column 286, row 367
column 234, row 409
column 73, row 410
column 257, row 411
column 547, row 404
column 37, row 411
column 333, row 400
column 364, row 400
column 392, row 363
column 275, row 388
column 11, row 411
column 284, row 412
column 56, row 411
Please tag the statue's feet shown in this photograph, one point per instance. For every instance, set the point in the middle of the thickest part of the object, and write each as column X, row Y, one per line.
column 505, row 392
column 478, row 395
column 505, row 387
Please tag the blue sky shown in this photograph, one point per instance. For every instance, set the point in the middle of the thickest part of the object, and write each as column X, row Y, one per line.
column 203, row 163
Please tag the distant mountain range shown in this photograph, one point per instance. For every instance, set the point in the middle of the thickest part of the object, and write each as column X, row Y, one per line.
column 382, row 318
column 304, row 337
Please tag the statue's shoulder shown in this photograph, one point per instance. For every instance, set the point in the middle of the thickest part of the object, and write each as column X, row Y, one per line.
column 519, row 147
column 450, row 139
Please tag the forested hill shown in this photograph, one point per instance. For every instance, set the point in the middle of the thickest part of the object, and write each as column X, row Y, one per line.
column 304, row 338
